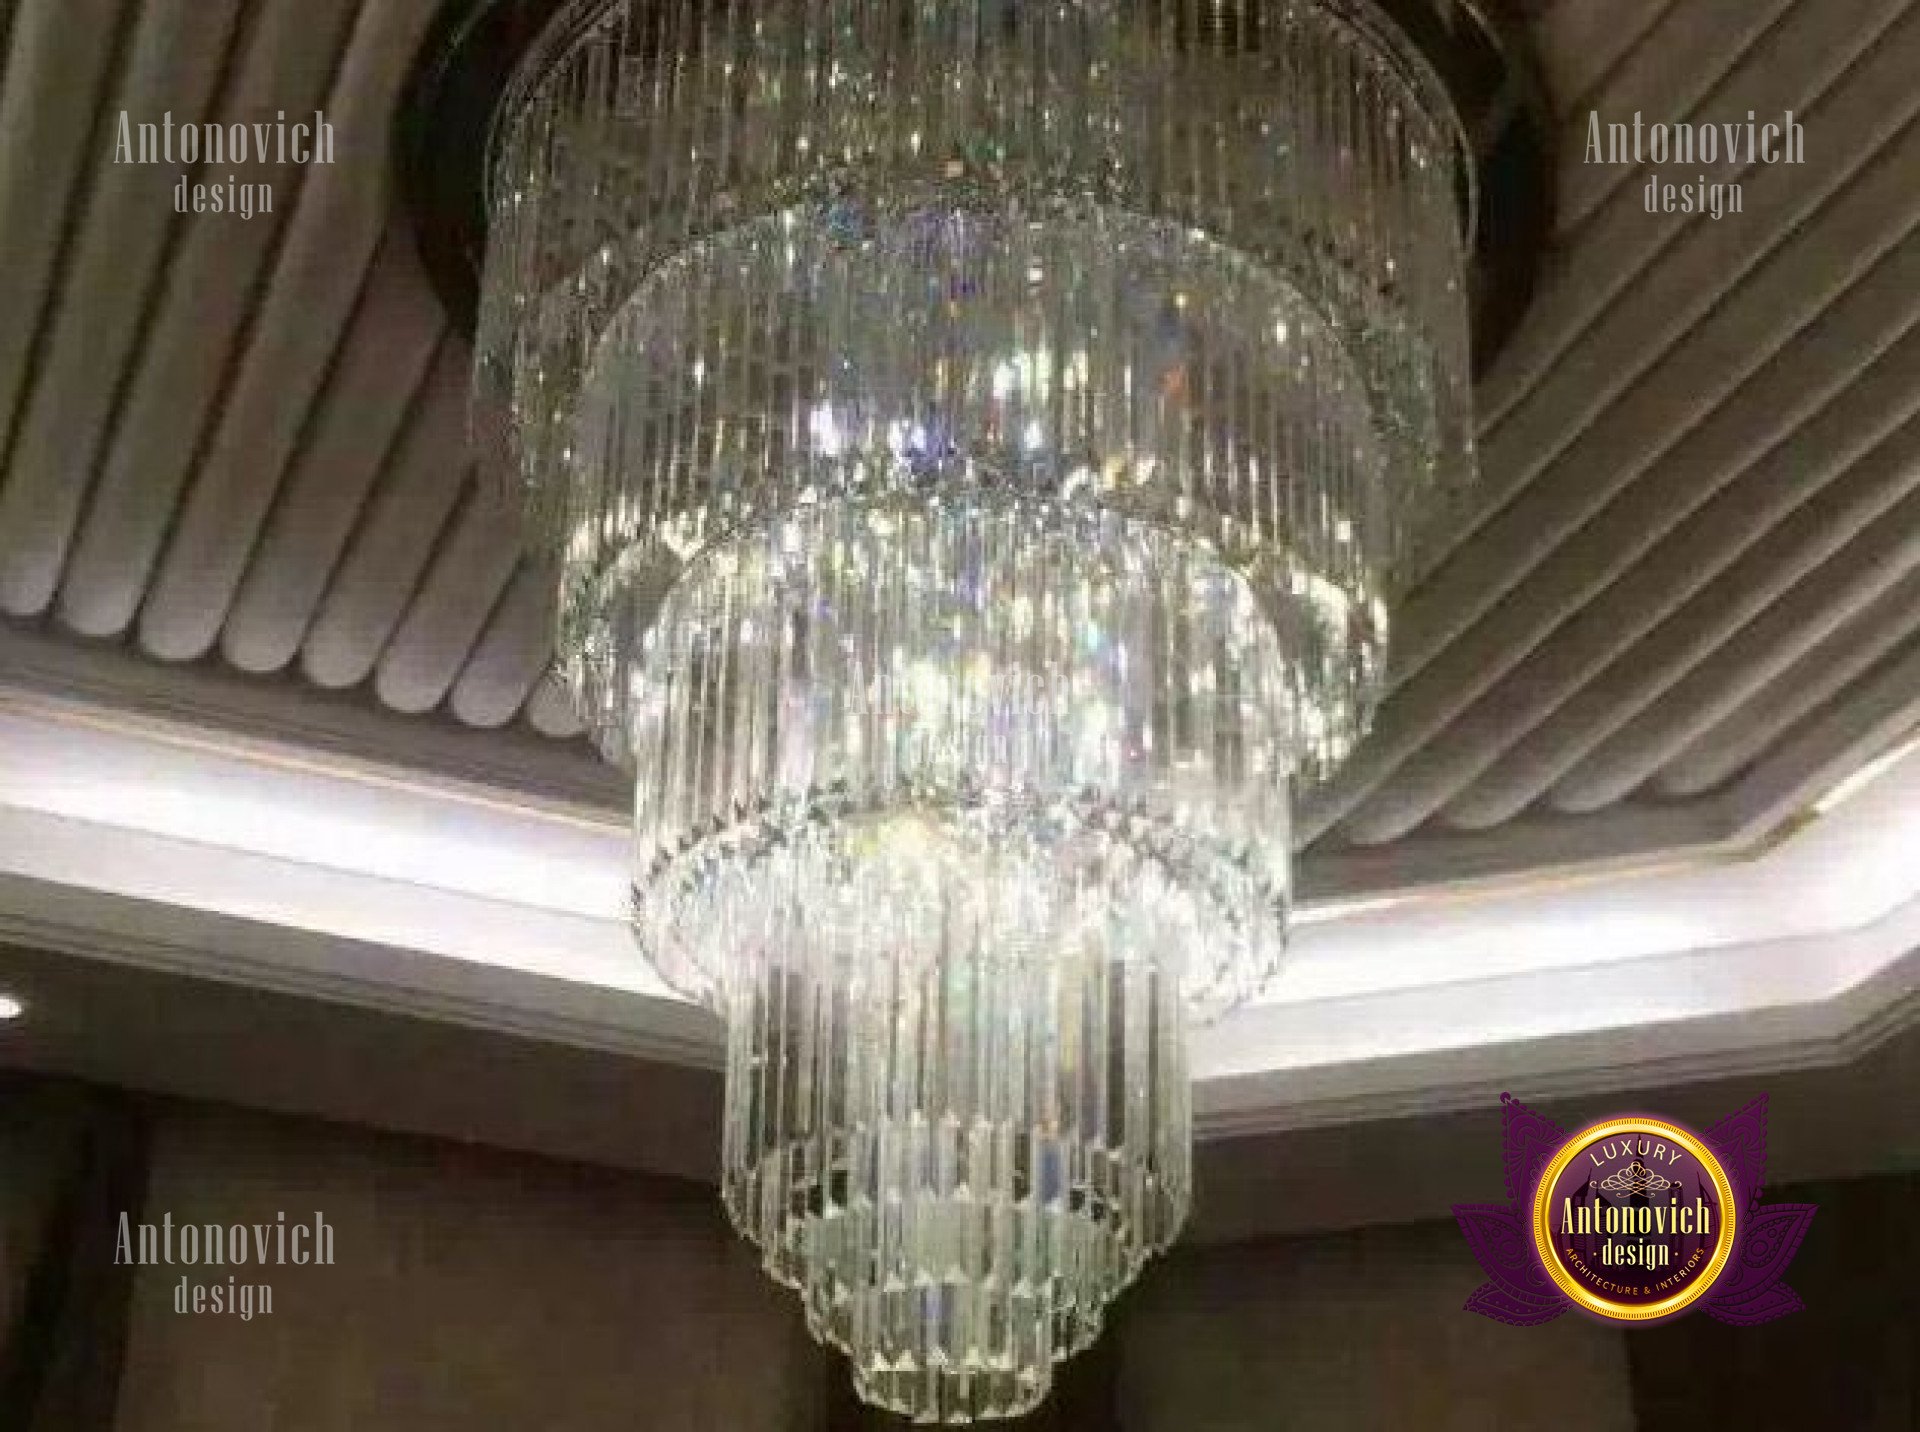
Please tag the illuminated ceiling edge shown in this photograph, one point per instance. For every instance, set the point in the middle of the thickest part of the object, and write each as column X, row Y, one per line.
column 220, row 864
column 275, row 723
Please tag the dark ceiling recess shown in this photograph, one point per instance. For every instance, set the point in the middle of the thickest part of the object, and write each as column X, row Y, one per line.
column 446, row 121
column 442, row 133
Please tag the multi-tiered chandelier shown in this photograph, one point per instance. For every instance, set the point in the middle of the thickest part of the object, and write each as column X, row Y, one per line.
column 978, row 441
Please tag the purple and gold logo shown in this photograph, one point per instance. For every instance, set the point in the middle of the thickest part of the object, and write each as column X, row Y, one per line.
column 1634, row 1219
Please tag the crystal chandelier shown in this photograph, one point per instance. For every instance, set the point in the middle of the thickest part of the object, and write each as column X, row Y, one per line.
column 978, row 442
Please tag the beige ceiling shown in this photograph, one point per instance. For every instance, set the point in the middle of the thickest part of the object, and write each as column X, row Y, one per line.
column 236, row 490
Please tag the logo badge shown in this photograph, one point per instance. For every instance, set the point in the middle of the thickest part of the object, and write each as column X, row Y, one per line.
column 1634, row 1219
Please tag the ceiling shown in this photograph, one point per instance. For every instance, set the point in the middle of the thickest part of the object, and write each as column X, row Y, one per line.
column 236, row 488
column 285, row 799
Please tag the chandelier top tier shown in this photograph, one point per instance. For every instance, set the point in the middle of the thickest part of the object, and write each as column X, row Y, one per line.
column 1191, row 121
column 1477, row 49
column 1295, row 158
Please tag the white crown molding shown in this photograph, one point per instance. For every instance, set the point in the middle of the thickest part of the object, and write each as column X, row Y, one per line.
column 350, row 733
column 1809, row 1003
column 240, row 864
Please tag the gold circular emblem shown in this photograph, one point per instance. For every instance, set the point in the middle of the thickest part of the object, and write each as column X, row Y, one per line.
column 1634, row 1218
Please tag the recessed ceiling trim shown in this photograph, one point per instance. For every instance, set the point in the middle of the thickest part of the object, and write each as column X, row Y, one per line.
column 279, row 723
column 216, row 863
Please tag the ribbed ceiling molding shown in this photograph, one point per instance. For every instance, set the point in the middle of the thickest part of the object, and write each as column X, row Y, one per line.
column 236, row 479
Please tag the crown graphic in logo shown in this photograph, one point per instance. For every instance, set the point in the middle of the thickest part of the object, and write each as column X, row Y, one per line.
column 1634, row 1178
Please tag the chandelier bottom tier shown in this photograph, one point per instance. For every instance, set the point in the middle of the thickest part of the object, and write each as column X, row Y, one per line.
column 954, row 920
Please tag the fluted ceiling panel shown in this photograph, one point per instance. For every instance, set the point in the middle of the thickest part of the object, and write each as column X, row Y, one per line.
column 236, row 479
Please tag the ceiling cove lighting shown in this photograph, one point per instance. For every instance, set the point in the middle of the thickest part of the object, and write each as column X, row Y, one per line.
column 979, row 445
column 1852, row 785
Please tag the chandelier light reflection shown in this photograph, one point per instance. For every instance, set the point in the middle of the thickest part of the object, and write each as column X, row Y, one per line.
column 978, row 442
